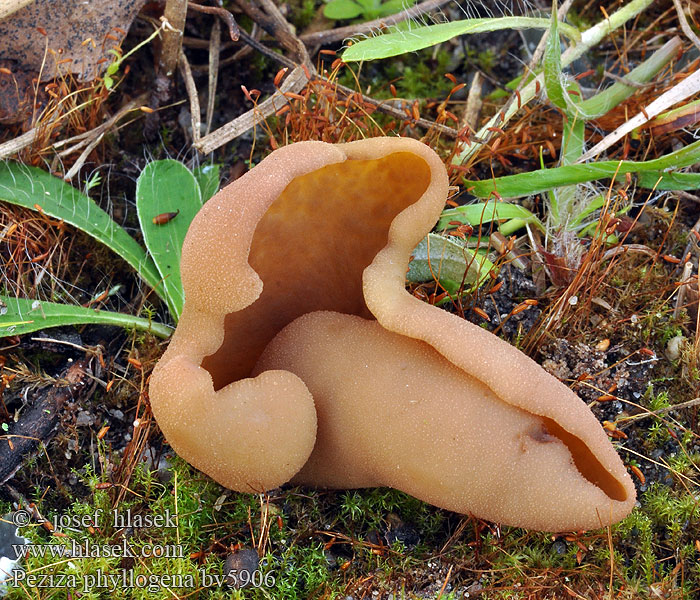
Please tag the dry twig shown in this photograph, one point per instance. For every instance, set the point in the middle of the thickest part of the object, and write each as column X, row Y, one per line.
column 685, row 26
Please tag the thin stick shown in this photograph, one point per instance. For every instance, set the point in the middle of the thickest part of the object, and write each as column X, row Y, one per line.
column 679, row 92
column 195, row 111
column 294, row 83
column 222, row 13
column 176, row 14
column 681, row 294
column 19, row 143
column 685, row 26
column 214, row 53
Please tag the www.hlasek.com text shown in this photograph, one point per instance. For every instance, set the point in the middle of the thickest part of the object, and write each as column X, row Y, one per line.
column 88, row 549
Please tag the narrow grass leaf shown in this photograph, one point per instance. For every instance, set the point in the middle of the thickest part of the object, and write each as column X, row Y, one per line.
column 589, row 38
column 450, row 263
column 22, row 315
column 669, row 181
column 552, row 64
column 594, row 205
column 535, row 182
column 167, row 199
column 399, row 42
column 38, row 190
column 603, row 102
column 572, row 140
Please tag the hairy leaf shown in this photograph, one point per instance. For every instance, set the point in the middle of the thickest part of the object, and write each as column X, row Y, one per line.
column 167, row 199
column 38, row 190
column 437, row 258
column 22, row 315
column 399, row 42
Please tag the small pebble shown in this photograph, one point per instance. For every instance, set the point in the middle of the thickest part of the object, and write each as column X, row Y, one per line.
column 240, row 567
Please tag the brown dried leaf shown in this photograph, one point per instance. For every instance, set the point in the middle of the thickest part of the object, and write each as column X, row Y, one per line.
column 29, row 35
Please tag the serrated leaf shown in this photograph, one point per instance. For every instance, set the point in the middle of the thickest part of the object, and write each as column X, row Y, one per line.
column 165, row 187
column 207, row 177
column 450, row 263
column 38, row 190
column 22, row 315
column 342, row 9
column 399, row 42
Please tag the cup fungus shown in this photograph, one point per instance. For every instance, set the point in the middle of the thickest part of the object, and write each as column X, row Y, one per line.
column 300, row 355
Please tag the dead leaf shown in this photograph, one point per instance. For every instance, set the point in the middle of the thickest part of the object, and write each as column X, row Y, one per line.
column 46, row 39
column 79, row 32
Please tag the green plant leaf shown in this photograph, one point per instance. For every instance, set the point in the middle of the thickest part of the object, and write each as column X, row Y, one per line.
column 394, row 6
column 572, row 140
column 552, row 64
column 595, row 204
column 399, row 42
column 22, row 315
column 485, row 212
column 207, row 177
column 450, row 263
column 368, row 5
column 342, row 9
column 535, row 182
column 38, row 190
column 669, row 181
column 163, row 188
column 604, row 101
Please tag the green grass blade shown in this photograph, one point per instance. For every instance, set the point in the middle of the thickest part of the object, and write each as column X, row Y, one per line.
column 589, row 38
column 400, row 42
column 22, row 315
column 594, row 205
column 167, row 186
column 535, row 182
column 449, row 262
column 207, row 177
column 669, row 181
column 572, row 140
column 606, row 100
column 38, row 190
column 552, row 64
column 485, row 212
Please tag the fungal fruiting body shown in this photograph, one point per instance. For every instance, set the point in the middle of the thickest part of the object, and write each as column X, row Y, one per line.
column 301, row 357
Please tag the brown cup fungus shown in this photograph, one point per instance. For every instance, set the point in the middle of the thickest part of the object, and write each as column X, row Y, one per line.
column 301, row 357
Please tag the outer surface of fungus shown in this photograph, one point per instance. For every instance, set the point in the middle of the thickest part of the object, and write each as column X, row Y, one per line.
column 300, row 355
